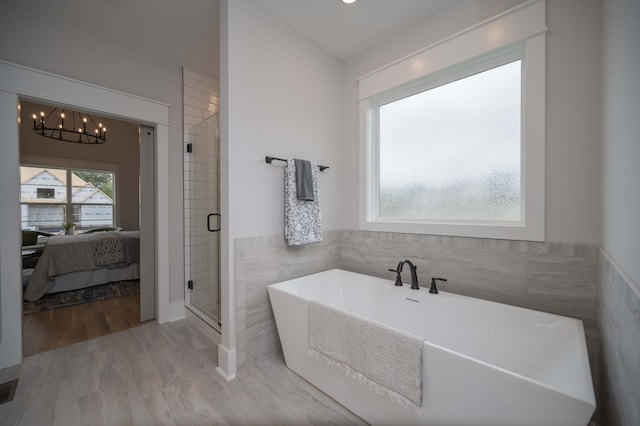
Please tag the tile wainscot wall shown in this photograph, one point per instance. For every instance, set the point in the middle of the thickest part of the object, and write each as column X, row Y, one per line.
column 619, row 311
column 266, row 260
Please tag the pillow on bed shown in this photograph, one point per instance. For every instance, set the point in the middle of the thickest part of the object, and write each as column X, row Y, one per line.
column 108, row 251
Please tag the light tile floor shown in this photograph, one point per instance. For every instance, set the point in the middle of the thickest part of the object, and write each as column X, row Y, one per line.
column 160, row 374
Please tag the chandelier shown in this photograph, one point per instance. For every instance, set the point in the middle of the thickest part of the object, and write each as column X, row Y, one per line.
column 77, row 133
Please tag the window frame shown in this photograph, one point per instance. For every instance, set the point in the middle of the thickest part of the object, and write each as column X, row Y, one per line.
column 458, row 72
column 69, row 165
column 405, row 77
column 49, row 192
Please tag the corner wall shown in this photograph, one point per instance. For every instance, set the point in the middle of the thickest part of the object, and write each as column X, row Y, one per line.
column 282, row 98
column 619, row 297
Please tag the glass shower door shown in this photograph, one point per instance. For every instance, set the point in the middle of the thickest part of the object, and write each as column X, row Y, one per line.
column 202, row 221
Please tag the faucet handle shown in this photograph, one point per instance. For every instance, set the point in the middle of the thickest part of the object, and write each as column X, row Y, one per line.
column 434, row 287
column 398, row 278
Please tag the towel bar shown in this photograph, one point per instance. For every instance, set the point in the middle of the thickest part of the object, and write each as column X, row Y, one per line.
column 268, row 160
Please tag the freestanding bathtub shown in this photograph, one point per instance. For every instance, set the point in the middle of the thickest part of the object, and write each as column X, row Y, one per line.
column 484, row 363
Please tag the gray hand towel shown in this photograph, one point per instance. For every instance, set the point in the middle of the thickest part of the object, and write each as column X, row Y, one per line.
column 304, row 180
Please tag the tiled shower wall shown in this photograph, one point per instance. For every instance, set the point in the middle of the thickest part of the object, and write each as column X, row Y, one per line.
column 201, row 102
column 550, row 277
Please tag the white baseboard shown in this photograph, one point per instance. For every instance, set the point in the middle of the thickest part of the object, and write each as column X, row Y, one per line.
column 226, row 363
column 176, row 311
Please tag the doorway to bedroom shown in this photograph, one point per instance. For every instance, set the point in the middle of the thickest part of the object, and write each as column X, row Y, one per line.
column 80, row 208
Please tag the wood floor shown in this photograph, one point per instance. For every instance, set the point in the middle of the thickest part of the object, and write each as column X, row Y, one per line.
column 46, row 330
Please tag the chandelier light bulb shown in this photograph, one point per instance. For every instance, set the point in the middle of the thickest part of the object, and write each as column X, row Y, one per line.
column 58, row 131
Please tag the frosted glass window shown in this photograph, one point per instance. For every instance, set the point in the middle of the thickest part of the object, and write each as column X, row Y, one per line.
column 452, row 153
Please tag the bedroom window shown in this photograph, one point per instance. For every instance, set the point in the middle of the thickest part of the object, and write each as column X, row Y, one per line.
column 52, row 196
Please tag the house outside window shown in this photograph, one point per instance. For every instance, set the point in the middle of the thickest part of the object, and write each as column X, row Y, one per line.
column 53, row 196
column 46, row 192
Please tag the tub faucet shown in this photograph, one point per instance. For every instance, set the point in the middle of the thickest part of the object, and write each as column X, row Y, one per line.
column 434, row 287
column 414, row 275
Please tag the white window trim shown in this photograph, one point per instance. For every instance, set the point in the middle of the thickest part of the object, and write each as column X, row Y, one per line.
column 524, row 25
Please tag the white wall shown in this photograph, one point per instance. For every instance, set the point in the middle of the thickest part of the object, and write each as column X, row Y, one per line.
column 574, row 106
column 35, row 40
column 573, row 140
column 284, row 95
column 282, row 98
column 619, row 296
column 621, row 130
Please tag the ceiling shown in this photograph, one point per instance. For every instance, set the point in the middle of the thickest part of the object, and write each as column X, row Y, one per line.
column 186, row 32
column 183, row 32
column 345, row 30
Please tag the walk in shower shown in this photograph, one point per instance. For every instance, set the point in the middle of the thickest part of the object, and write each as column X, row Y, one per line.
column 202, row 221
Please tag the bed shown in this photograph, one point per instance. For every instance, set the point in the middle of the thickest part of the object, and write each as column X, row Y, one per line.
column 71, row 262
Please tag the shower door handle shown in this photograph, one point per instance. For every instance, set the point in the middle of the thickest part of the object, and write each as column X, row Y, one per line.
column 209, row 222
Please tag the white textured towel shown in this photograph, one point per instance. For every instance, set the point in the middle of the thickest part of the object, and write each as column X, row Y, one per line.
column 387, row 359
column 302, row 223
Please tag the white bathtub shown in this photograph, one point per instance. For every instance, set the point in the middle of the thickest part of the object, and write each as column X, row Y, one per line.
column 484, row 363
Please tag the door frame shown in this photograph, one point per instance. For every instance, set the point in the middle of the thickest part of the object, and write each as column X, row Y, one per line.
column 147, row 222
column 19, row 81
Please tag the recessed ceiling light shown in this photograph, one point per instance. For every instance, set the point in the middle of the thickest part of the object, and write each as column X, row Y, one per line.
column 348, row 1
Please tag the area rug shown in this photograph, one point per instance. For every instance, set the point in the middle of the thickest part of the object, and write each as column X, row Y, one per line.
column 83, row 295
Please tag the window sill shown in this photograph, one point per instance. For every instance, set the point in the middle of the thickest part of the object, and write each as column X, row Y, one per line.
column 495, row 231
